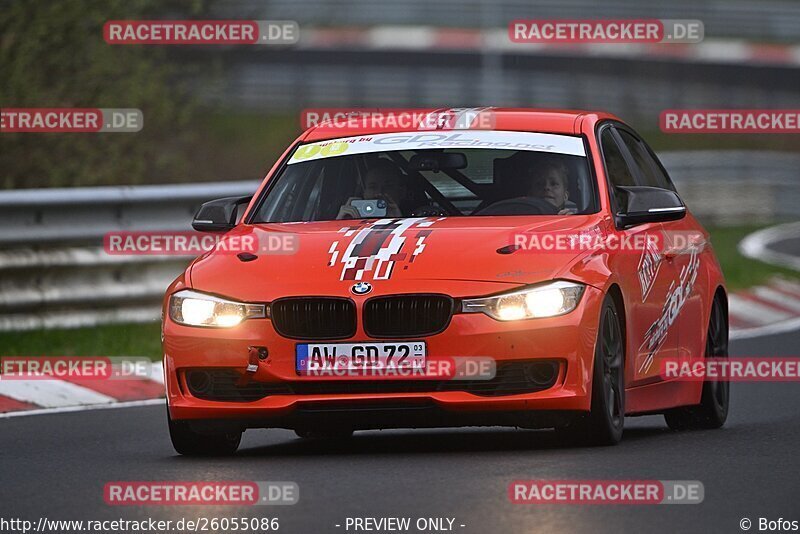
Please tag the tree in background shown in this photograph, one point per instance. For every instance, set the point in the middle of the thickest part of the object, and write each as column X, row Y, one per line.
column 52, row 54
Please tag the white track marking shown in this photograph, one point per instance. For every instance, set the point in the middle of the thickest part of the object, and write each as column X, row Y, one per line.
column 52, row 393
column 756, row 245
column 767, row 330
column 57, row 396
column 70, row 409
column 755, row 312
column 157, row 373
column 787, row 285
column 777, row 298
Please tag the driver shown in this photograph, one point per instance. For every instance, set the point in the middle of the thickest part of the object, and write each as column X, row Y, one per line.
column 384, row 181
column 550, row 182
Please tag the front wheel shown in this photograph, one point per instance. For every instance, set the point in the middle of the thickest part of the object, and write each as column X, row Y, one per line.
column 189, row 443
column 712, row 412
column 605, row 422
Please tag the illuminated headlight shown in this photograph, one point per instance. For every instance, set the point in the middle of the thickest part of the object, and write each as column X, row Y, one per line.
column 197, row 309
column 556, row 298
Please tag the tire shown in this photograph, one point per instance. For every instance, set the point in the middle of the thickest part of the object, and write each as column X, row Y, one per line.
column 323, row 434
column 604, row 424
column 189, row 443
column 712, row 412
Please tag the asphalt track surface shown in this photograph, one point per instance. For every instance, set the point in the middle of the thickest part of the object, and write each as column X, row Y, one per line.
column 789, row 246
column 56, row 466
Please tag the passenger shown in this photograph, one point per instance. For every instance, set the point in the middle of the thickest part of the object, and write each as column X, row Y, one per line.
column 384, row 181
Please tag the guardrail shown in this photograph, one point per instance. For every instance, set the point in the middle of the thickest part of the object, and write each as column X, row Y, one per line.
column 737, row 186
column 54, row 272
column 37, row 216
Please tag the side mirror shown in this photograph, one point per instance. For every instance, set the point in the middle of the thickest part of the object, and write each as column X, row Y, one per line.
column 648, row 205
column 218, row 215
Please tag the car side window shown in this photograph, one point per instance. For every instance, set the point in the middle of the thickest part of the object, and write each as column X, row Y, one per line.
column 616, row 168
column 651, row 173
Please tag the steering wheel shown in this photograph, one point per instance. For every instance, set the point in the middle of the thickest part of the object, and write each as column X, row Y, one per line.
column 519, row 206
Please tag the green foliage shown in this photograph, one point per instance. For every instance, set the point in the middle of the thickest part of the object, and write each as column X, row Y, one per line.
column 52, row 54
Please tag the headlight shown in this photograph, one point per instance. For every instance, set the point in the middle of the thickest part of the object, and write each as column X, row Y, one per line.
column 556, row 298
column 197, row 309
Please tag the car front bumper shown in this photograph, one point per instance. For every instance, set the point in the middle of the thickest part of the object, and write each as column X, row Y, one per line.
column 568, row 339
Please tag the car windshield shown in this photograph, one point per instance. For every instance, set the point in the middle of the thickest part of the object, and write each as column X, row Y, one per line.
column 456, row 173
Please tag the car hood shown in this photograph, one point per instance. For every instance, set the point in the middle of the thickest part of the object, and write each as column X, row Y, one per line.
column 454, row 255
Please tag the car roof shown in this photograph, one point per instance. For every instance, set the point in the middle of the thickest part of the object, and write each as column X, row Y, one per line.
column 557, row 121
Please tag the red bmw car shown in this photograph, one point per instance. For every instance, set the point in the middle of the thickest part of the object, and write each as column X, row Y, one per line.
column 550, row 249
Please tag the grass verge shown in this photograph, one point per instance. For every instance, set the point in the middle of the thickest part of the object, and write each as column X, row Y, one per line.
column 741, row 272
column 106, row 340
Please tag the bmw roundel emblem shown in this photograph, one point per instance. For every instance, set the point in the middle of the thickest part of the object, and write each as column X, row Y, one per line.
column 361, row 288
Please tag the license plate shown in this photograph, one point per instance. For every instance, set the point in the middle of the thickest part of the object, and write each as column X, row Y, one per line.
column 312, row 357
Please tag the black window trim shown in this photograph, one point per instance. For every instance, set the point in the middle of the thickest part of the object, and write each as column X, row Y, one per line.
column 627, row 156
column 647, row 148
column 599, row 131
column 272, row 181
column 593, row 178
